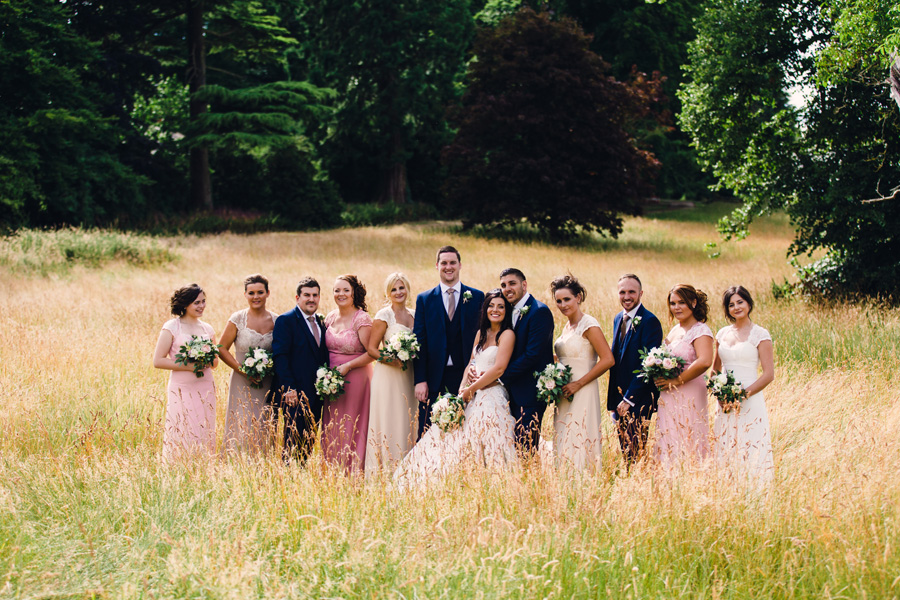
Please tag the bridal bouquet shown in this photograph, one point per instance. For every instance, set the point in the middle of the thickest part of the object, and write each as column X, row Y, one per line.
column 198, row 350
column 726, row 389
column 329, row 383
column 403, row 346
column 257, row 365
column 551, row 380
column 659, row 363
column 448, row 412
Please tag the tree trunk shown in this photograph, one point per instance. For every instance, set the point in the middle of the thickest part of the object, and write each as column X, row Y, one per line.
column 394, row 182
column 201, row 190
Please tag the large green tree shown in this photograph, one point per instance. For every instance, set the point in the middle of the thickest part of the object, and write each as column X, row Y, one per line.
column 818, row 159
column 542, row 132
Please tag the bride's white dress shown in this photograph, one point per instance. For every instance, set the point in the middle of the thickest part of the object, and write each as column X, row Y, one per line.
column 485, row 439
column 744, row 444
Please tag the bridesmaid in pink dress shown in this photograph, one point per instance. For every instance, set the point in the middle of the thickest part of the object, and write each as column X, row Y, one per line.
column 345, row 423
column 191, row 407
column 683, row 419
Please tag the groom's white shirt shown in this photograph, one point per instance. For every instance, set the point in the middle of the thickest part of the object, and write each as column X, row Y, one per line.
column 457, row 293
column 517, row 309
column 630, row 314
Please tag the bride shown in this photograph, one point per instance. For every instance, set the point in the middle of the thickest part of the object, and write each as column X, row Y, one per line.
column 486, row 436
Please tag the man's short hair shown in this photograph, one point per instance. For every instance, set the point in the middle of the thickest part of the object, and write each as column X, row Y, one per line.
column 307, row 282
column 632, row 276
column 447, row 249
column 512, row 271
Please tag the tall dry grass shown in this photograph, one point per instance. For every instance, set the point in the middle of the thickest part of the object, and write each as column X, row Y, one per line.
column 87, row 511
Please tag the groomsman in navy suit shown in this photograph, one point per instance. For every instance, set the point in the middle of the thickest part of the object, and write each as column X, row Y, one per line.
column 631, row 400
column 298, row 343
column 533, row 325
column 445, row 325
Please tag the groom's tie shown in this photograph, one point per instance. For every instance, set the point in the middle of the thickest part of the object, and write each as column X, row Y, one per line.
column 451, row 303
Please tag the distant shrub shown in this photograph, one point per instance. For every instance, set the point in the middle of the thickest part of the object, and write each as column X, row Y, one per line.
column 360, row 215
column 40, row 251
column 217, row 221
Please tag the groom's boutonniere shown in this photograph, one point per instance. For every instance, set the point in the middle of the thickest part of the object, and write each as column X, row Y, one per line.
column 635, row 323
column 467, row 295
column 524, row 310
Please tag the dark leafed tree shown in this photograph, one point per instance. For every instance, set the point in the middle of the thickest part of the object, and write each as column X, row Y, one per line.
column 542, row 132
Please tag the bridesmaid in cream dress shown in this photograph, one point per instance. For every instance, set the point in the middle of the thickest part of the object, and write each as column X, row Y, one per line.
column 583, row 347
column 249, row 424
column 393, row 409
column 743, row 441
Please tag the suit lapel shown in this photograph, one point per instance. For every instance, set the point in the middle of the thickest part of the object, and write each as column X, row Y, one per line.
column 304, row 326
column 441, row 311
column 631, row 331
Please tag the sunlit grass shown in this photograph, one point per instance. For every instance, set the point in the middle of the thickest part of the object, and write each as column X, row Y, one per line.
column 87, row 511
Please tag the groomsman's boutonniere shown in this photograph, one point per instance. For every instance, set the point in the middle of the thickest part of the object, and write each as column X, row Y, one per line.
column 524, row 310
column 467, row 295
column 635, row 323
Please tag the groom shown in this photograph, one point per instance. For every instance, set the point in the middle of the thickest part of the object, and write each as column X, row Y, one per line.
column 533, row 326
column 445, row 325
column 631, row 400
column 298, row 344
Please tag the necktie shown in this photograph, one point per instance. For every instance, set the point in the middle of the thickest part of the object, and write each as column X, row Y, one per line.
column 623, row 329
column 451, row 303
column 517, row 314
column 315, row 330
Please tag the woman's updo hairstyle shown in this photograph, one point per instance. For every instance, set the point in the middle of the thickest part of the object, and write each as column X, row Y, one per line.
column 359, row 290
column 183, row 297
column 256, row 278
column 740, row 291
column 569, row 282
column 691, row 295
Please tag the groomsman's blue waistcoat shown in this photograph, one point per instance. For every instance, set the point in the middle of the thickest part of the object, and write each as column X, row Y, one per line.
column 297, row 357
column 439, row 337
column 622, row 378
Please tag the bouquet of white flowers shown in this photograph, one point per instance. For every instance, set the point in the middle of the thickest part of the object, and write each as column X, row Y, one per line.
column 659, row 363
column 198, row 350
column 551, row 381
column 257, row 365
column 329, row 383
column 726, row 389
column 403, row 347
column 448, row 412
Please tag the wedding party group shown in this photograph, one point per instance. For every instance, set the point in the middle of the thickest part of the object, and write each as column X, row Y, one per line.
column 466, row 377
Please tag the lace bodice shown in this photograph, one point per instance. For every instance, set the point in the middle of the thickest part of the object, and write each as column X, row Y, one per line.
column 386, row 314
column 346, row 341
column 246, row 337
column 572, row 344
column 742, row 358
column 685, row 346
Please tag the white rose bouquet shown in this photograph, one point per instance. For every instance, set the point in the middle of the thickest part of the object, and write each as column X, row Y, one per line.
column 448, row 412
column 199, row 351
column 551, row 380
column 329, row 383
column 402, row 347
column 726, row 389
column 659, row 363
column 258, row 365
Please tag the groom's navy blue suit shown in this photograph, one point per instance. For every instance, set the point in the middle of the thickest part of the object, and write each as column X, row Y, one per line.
column 297, row 358
column 624, row 383
column 440, row 338
column 533, row 351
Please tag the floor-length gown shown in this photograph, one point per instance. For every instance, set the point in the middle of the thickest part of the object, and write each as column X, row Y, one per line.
column 393, row 408
column 578, row 441
column 743, row 442
column 249, row 424
column 345, row 423
column 682, row 420
column 190, row 427
column 485, row 439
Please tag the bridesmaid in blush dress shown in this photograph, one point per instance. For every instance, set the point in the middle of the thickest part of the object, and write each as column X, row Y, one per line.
column 393, row 410
column 682, row 421
column 190, row 428
column 249, row 422
column 345, row 424
column 581, row 346
column 744, row 445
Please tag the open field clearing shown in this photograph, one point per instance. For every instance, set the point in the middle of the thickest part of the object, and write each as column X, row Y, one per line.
column 88, row 511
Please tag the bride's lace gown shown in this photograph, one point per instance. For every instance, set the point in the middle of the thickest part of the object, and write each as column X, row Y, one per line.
column 484, row 440
column 743, row 442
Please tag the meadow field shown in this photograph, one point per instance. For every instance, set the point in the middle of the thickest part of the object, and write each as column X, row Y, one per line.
column 88, row 511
